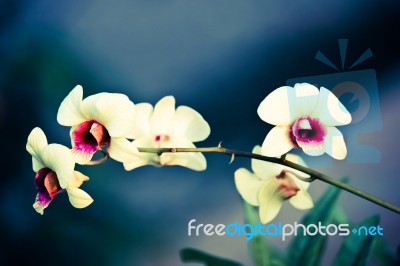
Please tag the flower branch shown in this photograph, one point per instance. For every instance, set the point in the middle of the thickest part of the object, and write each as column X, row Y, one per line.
column 282, row 161
column 303, row 116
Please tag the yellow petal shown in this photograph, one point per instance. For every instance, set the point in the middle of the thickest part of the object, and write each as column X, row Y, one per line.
column 79, row 198
column 248, row 185
column 189, row 124
column 70, row 112
column 113, row 110
column 59, row 159
column 163, row 115
column 77, row 179
column 269, row 200
column 277, row 142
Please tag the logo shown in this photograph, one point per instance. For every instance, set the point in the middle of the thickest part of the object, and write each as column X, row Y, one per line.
column 279, row 229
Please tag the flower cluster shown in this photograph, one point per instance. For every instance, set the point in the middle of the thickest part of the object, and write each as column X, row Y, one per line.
column 134, row 134
column 112, row 124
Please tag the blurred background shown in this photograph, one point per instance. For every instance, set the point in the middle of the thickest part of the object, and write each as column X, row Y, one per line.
column 219, row 57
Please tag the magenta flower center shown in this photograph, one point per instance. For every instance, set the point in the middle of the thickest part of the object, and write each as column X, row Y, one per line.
column 47, row 184
column 161, row 139
column 89, row 136
column 307, row 132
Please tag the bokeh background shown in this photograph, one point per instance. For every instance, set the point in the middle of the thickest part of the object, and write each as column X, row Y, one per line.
column 219, row 57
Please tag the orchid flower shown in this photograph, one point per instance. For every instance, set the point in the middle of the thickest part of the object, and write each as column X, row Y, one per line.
column 102, row 119
column 54, row 166
column 304, row 117
column 166, row 127
column 271, row 184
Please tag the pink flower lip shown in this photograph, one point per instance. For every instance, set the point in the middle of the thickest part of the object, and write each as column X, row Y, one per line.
column 307, row 132
column 89, row 136
column 47, row 184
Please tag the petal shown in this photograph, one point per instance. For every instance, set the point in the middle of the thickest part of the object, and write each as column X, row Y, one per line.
column 163, row 115
column 189, row 124
column 277, row 142
column 315, row 151
column 143, row 158
column 297, row 160
column 36, row 164
column 193, row 160
column 302, row 100
column 269, row 200
column 274, row 109
column 282, row 106
column 143, row 112
column 79, row 198
column 81, row 156
column 77, row 179
column 122, row 150
column 264, row 169
column 36, row 142
column 302, row 200
column 70, row 112
column 59, row 159
column 113, row 110
column 330, row 110
column 334, row 144
column 248, row 185
column 39, row 207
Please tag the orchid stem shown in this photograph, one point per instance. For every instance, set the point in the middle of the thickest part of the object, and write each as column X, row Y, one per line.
column 314, row 174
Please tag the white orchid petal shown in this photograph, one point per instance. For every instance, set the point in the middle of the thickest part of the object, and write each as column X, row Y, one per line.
column 70, row 112
column 143, row 158
column 302, row 100
column 59, row 159
column 81, row 157
column 37, row 165
column 77, row 179
column 113, row 110
column 277, row 142
column 294, row 158
column 269, row 200
column 143, row 112
column 36, row 141
column 138, row 162
column 330, row 110
column 189, row 124
column 192, row 160
column 334, row 144
column 313, row 152
column 122, row 150
column 263, row 169
column 78, row 197
column 248, row 185
column 274, row 109
column 301, row 184
column 163, row 115
column 39, row 208
column 302, row 200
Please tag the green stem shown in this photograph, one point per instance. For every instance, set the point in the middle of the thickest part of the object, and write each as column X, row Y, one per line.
column 314, row 174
